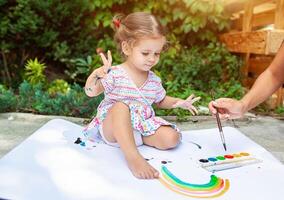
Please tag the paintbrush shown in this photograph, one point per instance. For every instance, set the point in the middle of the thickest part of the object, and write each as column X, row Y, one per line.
column 219, row 125
column 220, row 129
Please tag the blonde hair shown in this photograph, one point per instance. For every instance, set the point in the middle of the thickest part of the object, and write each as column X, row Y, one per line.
column 135, row 26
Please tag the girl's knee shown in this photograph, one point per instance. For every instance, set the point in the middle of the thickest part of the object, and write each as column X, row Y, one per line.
column 119, row 111
column 173, row 139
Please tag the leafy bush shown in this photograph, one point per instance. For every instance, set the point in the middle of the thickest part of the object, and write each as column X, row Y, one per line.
column 58, row 32
column 34, row 71
column 26, row 96
column 51, row 30
column 8, row 100
column 202, row 71
column 65, row 35
column 58, row 86
column 201, row 68
column 280, row 110
column 33, row 98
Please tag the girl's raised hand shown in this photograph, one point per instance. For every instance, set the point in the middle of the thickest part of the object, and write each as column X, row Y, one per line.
column 187, row 104
column 106, row 61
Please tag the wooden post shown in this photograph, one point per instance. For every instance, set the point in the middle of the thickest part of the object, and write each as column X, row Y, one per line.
column 279, row 24
column 248, row 15
column 279, row 94
column 279, row 15
column 247, row 26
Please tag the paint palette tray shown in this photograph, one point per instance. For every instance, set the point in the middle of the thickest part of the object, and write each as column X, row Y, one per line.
column 226, row 162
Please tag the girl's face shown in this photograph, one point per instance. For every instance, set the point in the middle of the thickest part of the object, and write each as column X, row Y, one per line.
column 145, row 53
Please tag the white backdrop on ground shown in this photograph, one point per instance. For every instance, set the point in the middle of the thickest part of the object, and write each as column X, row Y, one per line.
column 48, row 165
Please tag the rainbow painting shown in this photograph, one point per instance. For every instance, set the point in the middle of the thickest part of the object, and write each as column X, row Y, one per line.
column 214, row 188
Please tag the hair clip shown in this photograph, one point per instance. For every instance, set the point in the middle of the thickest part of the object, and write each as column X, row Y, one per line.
column 116, row 23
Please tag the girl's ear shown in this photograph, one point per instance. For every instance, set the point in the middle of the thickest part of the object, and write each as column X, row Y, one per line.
column 125, row 48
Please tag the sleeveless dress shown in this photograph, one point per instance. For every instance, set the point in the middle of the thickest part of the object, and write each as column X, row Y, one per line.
column 119, row 87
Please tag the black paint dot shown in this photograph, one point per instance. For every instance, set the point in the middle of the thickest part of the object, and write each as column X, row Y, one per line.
column 78, row 141
column 203, row 160
column 164, row 162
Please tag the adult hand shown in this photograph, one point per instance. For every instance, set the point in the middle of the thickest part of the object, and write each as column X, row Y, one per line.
column 187, row 104
column 228, row 108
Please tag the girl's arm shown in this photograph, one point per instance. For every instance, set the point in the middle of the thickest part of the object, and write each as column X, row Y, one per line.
column 168, row 102
column 93, row 86
column 172, row 102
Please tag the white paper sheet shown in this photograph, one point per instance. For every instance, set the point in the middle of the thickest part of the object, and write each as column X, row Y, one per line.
column 48, row 165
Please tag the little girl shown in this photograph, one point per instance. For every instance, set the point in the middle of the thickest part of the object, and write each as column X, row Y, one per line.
column 125, row 117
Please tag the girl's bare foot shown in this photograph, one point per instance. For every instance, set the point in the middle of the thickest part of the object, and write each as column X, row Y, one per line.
column 140, row 168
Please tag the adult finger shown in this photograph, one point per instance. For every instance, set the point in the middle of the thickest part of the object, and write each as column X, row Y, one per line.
column 224, row 116
column 212, row 108
column 223, row 106
column 222, row 103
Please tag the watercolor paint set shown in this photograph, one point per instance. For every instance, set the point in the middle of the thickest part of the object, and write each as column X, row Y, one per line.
column 226, row 162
